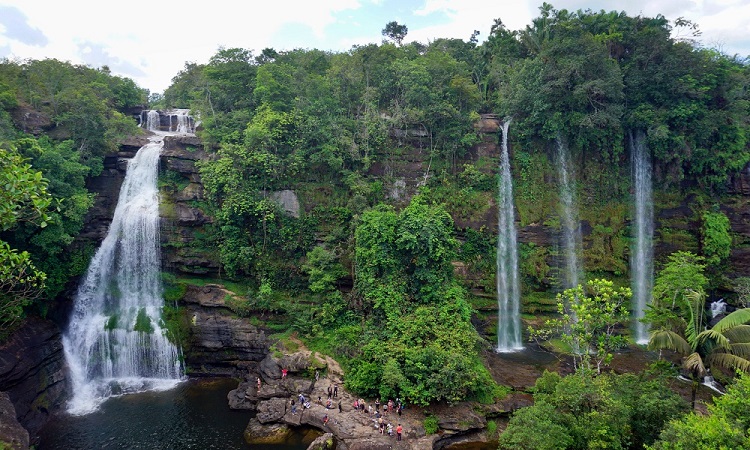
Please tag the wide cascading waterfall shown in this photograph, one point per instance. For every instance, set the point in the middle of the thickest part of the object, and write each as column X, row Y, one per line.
column 115, row 342
column 642, row 254
column 508, row 289
column 571, row 226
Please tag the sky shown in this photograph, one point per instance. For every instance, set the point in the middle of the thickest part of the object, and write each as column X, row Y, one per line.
column 150, row 42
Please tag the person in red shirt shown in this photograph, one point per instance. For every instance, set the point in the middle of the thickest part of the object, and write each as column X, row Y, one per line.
column 399, row 429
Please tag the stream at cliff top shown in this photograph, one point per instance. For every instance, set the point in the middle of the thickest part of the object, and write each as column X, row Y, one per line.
column 193, row 415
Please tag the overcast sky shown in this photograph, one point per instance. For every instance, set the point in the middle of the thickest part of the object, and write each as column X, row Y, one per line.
column 151, row 41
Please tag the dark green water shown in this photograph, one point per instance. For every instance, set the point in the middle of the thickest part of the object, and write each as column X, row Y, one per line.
column 194, row 415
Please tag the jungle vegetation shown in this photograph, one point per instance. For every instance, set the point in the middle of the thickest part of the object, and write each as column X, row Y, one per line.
column 367, row 271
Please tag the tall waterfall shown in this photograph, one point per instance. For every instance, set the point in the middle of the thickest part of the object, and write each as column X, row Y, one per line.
column 508, row 289
column 115, row 342
column 642, row 254
column 571, row 225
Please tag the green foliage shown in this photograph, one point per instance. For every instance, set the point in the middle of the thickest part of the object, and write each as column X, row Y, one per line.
column 583, row 412
column 589, row 321
column 715, row 237
column 683, row 273
column 725, row 427
column 430, row 424
column 143, row 322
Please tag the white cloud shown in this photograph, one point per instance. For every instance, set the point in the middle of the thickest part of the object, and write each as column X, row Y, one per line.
column 159, row 37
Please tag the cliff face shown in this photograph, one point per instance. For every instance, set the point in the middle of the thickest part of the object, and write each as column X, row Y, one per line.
column 220, row 343
column 33, row 373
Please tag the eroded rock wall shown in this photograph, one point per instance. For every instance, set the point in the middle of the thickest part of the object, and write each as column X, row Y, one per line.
column 33, row 373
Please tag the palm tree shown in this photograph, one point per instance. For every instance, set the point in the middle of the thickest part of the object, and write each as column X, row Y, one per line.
column 726, row 344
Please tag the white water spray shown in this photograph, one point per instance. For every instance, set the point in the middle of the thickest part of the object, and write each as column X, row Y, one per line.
column 642, row 255
column 571, row 225
column 116, row 343
column 508, row 289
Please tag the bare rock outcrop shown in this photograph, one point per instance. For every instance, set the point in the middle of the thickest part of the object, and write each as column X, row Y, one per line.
column 11, row 432
column 32, row 373
column 220, row 343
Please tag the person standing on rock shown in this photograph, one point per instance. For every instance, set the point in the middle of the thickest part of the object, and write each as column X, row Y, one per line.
column 283, row 373
column 340, row 410
column 335, row 390
column 399, row 430
column 258, row 384
column 317, row 374
column 294, row 408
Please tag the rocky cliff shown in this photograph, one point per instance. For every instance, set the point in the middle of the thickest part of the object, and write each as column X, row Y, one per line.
column 33, row 373
column 219, row 343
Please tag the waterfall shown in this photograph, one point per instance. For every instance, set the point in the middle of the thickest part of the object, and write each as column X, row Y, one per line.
column 180, row 121
column 571, row 226
column 718, row 307
column 642, row 254
column 116, row 342
column 508, row 288
column 152, row 120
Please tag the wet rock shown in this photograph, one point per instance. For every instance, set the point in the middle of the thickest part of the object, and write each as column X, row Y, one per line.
column 242, row 398
column 325, row 442
column 459, row 418
column 11, row 432
column 274, row 433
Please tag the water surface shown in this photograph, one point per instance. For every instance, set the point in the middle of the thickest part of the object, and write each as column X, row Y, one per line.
column 194, row 415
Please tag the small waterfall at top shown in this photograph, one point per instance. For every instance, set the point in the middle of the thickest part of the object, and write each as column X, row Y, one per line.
column 116, row 342
column 508, row 289
column 642, row 254
column 571, row 226
column 152, row 120
column 180, row 122
column 718, row 307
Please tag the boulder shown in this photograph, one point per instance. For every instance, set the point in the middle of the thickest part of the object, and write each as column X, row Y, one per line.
column 288, row 201
column 259, row 434
column 271, row 410
column 324, row 442
column 269, row 368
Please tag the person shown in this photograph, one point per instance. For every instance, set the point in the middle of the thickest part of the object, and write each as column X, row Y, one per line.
column 325, row 420
column 258, row 384
column 356, row 404
column 390, row 429
column 335, row 390
column 283, row 373
column 377, row 404
column 399, row 430
column 340, row 410
column 329, row 404
column 317, row 375
column 294, row 408
column 381, row 425
column 330, row 391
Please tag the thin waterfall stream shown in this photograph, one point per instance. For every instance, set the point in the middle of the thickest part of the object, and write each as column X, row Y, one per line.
column 571, row 225
column 116, row 342
column 508, row 289
column 642, row 255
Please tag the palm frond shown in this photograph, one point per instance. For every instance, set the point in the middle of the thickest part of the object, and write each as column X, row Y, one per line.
column 741, row 349
column 728, row 361
column 740, row 333
column 694, row 363
column 735, row 318
column 695, row 306
column 667, row 339
column 714, row 339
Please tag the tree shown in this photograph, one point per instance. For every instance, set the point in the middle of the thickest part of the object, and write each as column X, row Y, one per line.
column 683, row 273
column 726, row 426
column 589, row 321
column 395, row 31
column 726, row 344
column 24, row 198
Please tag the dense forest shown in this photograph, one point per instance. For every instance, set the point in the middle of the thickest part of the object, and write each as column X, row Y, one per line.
column 380, row 145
